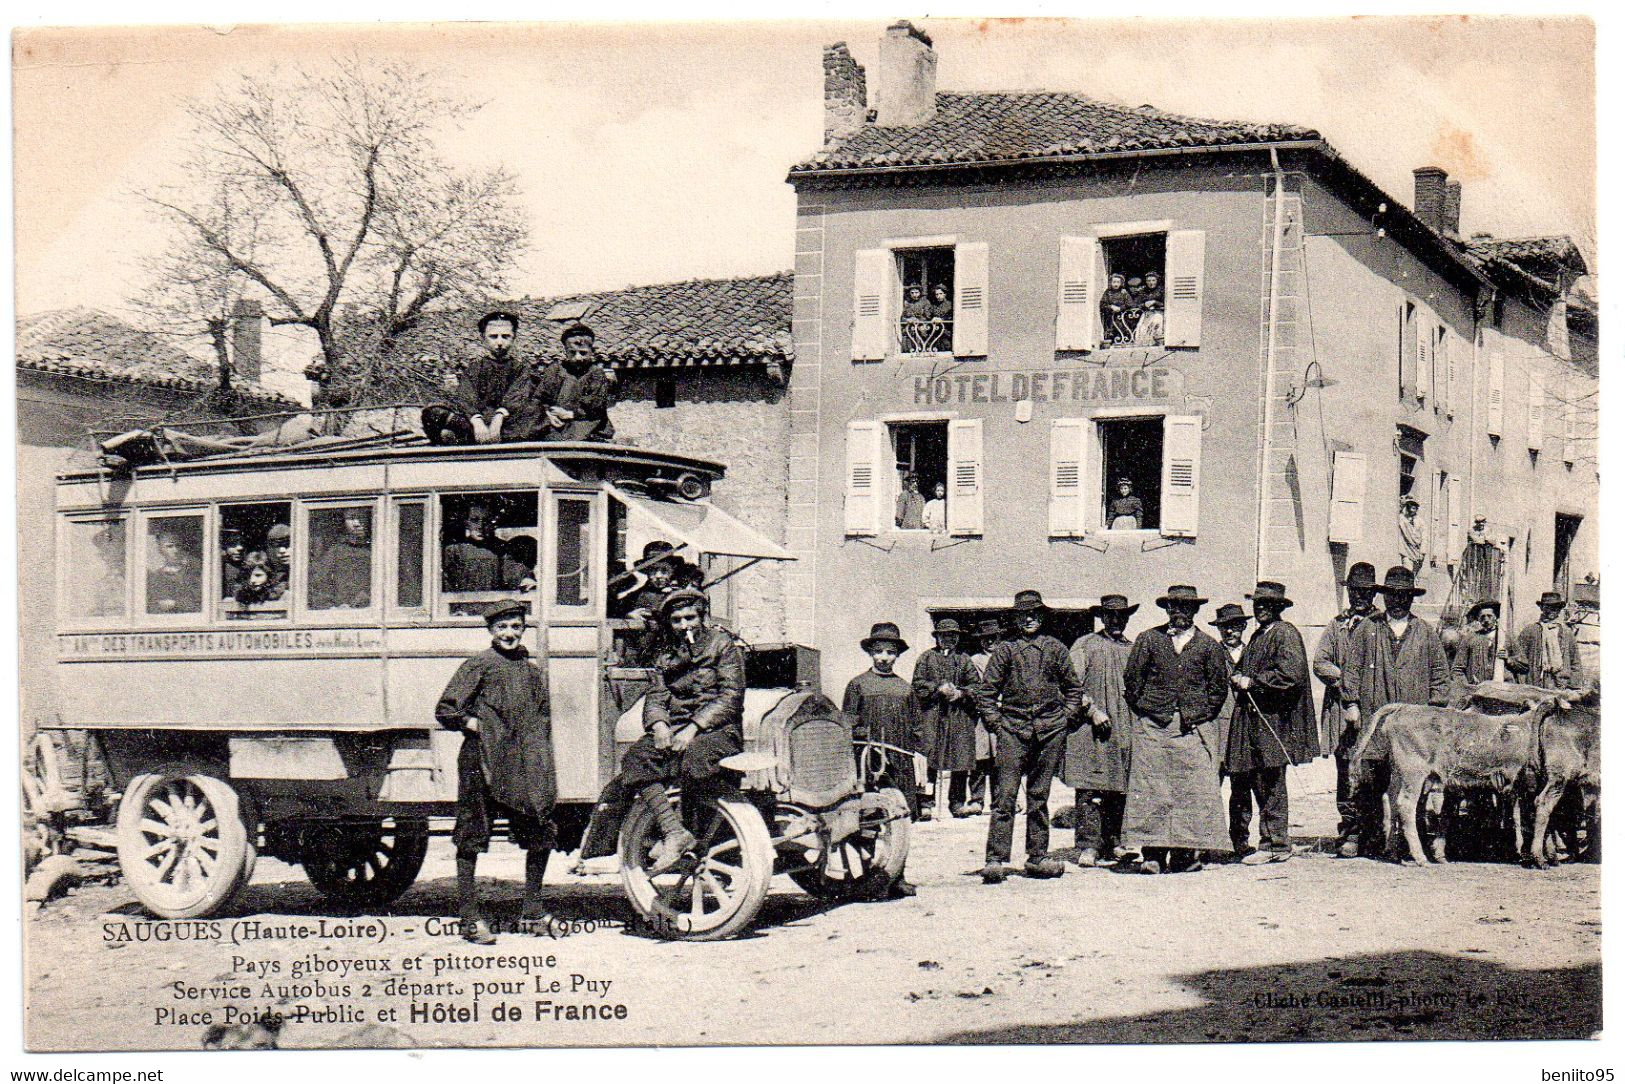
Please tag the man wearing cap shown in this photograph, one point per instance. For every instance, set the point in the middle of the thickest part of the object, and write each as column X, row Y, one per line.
column 279, row 555
column 1331, row 658
column 1394, row 657
column 233, row 567
column 1273, row 726
column 659, row 564
column 1097, row 754
column 693, row 719
column 488, row 391
column 1175, row 682
column 498, row 700
column 945, row 683
column 1029, row 696
column 1231, row 621
column 570, row 399
column 1476, row 654
column 1546, row 652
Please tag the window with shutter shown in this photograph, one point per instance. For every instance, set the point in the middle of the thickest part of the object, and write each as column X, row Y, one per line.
column 1571, row 425
column 1497, row 378
column 1077, row 316
column 863, row 478
column 1407, row 352
column 1181, row 474
column 1537, row 408
column 1067, row 509
column 965, row 477
column 871, row 327
column 1454, row 350
column 1440, row 358
column 970, row 309
column 1346, row 523
column 1186, row 256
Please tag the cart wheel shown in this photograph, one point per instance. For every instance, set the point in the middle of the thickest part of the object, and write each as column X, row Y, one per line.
column 716, row 894
column 41, row 833
column 366, row 866
column 182, row 843
column 865, row 864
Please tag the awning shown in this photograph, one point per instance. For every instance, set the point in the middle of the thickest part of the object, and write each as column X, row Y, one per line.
column 705, row 527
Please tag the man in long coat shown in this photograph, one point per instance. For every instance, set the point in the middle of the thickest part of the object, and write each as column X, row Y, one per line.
column 1273, row 726
column 1175, row 683
column 1546, row 652
column 1029, row 696
column 1476, row 654
column 1394, row 657
column 498, row 700
column 1097, row 755
column 1331, row 656
column 1231, row 621
column 945, row 683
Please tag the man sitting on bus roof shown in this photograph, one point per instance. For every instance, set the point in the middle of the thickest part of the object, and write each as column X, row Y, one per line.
column 489, row 391
column 570, row 400
column 693, row 719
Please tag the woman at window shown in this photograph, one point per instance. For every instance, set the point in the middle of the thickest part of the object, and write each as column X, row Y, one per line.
column 910, row 504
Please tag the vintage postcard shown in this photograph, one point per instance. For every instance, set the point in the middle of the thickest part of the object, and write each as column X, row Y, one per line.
column 896, row 531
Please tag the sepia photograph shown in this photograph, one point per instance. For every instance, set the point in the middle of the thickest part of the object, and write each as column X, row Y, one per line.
column 884, row 531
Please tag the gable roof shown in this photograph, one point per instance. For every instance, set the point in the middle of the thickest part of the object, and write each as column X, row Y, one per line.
column 987, row 128
column 700, row 322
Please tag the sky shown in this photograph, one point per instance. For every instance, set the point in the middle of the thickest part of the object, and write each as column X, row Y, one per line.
column 658, row 153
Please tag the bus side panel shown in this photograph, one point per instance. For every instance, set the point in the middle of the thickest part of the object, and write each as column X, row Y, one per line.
column 208, row 694
column 572, row 683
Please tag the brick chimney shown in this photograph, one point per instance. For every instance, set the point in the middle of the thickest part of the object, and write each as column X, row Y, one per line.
column 1452, row 209
column 907, row 92
column 1430, row 195
column 247, row 344
column 846, row 94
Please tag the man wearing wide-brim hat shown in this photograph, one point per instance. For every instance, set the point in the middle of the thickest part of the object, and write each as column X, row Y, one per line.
column 1394, row 657
column 945, row 683
column 1231, row 621
column 1546, row 652
column 1330, row 659
column 1097, row 752
column 1029, row 695
column 1273, row 726
column 1175, row 682
column 1476, row 654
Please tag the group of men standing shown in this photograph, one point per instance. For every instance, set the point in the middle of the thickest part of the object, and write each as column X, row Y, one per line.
column 502, row 397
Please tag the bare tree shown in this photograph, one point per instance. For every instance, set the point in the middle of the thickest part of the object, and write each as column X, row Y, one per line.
column 320, row 192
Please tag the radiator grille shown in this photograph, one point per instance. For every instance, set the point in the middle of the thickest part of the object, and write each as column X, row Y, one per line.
column 821, row 755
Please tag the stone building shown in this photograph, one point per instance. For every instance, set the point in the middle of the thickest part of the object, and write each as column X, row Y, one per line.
column 1289, row 351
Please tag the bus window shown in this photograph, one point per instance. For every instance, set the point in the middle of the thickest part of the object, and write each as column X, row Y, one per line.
column 174, row 564
column 255, row 548
column 487, row 548
column 409, row 554
column 341, row 558
column 97, row 553
column 572, row 571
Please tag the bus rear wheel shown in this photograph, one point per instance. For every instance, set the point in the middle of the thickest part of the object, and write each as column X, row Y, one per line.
column 365, row 866
column 183, row 844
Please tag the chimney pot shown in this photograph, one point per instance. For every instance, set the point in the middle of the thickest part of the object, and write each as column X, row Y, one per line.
column 1430, row 195
column 907, row 92
column 247, row 340
column 1452, row 209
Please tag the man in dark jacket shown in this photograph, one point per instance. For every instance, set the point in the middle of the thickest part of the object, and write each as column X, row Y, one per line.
column 1479, row 647
column 1098, row 755
column 693, row 719
column 1175, row 682
column 489, row 391
column 1331, row 656
column 945, row 683
column 570, row 399
column 498, row 700
column 1273, row 726
column 1546, row 652
column 1029, row 695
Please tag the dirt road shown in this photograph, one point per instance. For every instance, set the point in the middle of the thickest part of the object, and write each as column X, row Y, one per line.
column 1316, row 948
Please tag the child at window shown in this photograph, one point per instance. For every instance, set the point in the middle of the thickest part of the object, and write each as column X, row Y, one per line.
column 1126, row 512
column 935, row 516
column 942, row 317
column 1114, row 306
column 916, row 319
column 911, row 504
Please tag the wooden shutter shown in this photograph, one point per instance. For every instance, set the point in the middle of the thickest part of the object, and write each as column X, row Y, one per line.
column 1181, row 474
column 1077, row 309
column 1441, row 370
column 1457, row 539
column 1496, row 423
column 1571, row 422
column 1068, row 512
column 864, row 440
column 1347, row 520
column 1453, row 364
column 1407, row 350
column 970, row 300
column 1186, row 254
column 1537, row 408
column 965, row 482
column 871, row 304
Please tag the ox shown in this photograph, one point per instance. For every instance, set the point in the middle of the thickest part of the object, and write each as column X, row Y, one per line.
column 1568, row 760
column 1447, row 747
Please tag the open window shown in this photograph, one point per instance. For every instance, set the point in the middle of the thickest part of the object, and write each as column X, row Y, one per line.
column 173, row 561
column 1125, row 474
column 488, row 549
column 255, row 554
column 920, row 477
column 1130, row 286
column 1131, row 473
column 339, row 571
column 924, row 300
column 96, row 578
column 1134, row 300
column 925, row 279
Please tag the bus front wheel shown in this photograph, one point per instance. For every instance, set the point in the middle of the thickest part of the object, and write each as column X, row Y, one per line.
column 183, row 844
